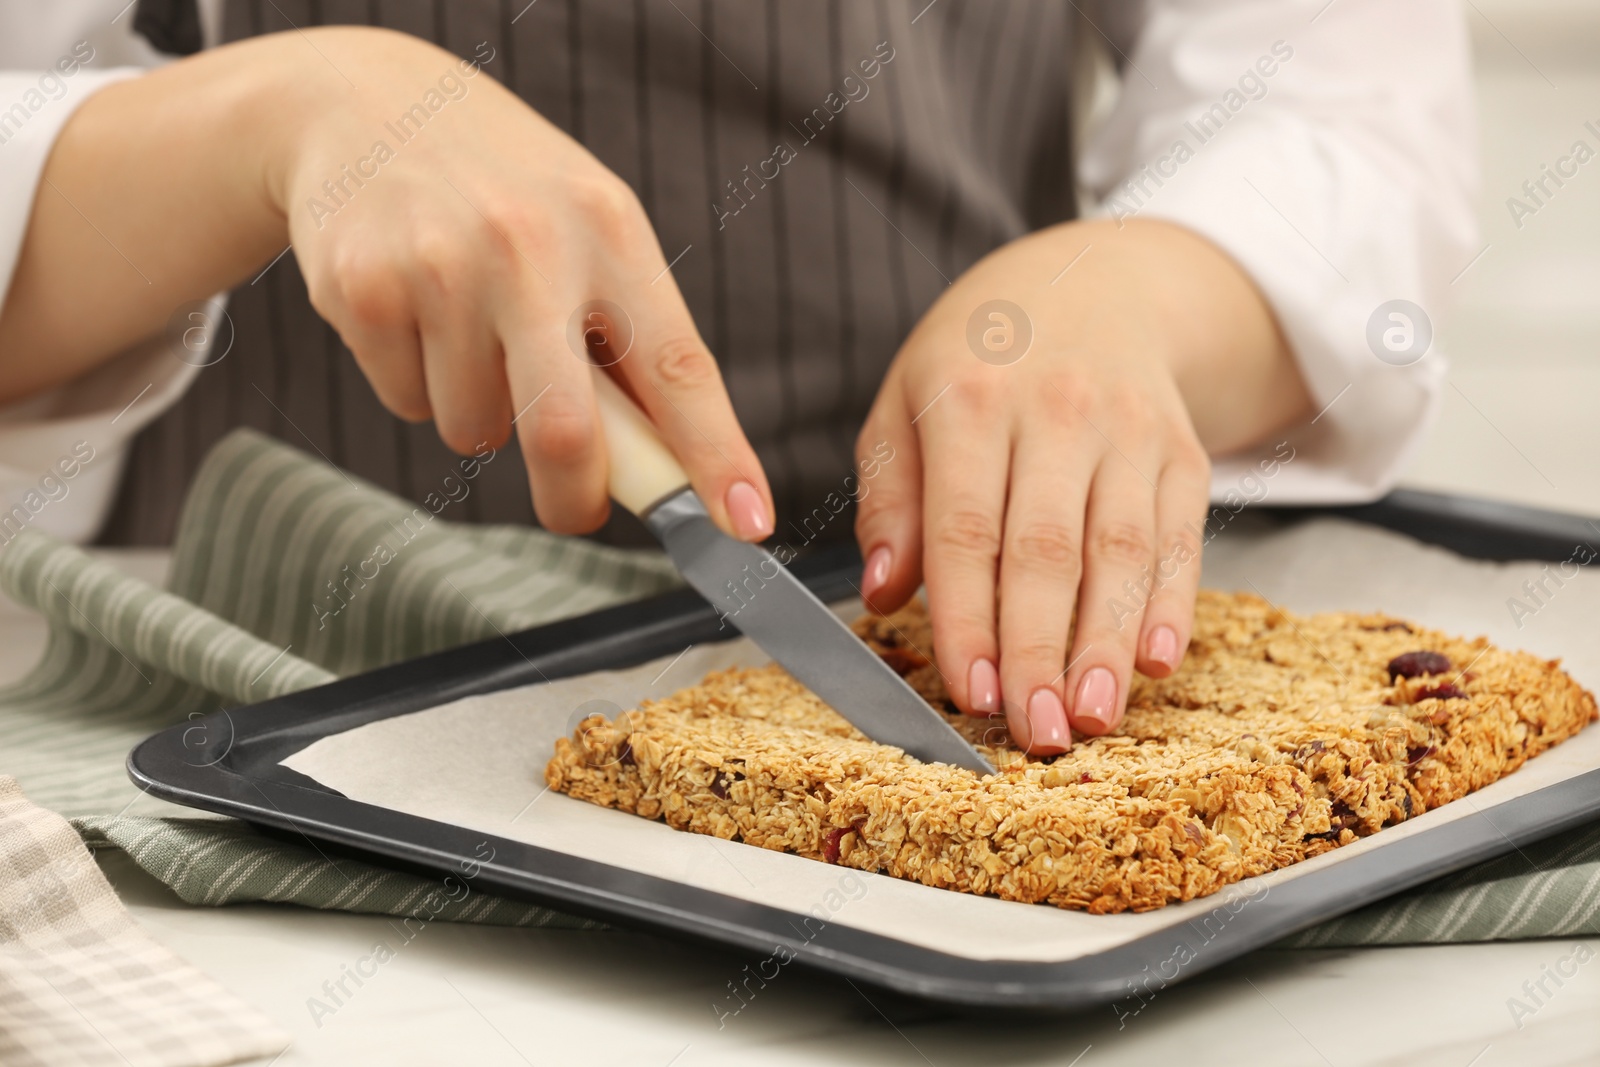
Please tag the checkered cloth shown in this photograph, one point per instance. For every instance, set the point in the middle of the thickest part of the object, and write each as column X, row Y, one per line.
column 80, row 983
column 288, row 572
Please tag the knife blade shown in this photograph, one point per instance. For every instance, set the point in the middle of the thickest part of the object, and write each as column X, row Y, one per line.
column 759, row 596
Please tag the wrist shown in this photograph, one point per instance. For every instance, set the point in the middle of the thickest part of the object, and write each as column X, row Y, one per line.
column 1188, row 305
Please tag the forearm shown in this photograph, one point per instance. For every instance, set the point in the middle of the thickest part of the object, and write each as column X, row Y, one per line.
column 1197, row 309
column 156, row 194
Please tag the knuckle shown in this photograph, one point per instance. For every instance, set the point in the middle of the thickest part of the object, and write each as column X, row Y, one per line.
column 1045, row 545
column 369, row 293
column 562, row 434
column 1040, row 652
column 684, row 363
column 967, row 532
column 1070, row 395
column 607, row 205
column 441, row 261
column 1182, row 548
column 975, row 396
column 508, row 227
column 1129, row 408
column 1122, row 542
column 885, row 504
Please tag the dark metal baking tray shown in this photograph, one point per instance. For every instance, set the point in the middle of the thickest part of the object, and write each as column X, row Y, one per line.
column 231, row 766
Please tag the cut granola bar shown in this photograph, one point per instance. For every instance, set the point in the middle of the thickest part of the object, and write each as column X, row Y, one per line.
column 1280, row 738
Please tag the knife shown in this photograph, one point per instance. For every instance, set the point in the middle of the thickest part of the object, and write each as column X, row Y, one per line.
column 769, row 605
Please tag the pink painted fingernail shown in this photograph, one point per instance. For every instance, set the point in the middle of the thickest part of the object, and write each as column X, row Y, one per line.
column 983, row 687
column 1097, row 699
column 1048, row 722
column 876, row 572
column 1163, row 646
column 747, row 512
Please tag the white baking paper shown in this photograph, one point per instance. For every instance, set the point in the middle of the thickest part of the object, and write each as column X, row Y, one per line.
column 479, row 762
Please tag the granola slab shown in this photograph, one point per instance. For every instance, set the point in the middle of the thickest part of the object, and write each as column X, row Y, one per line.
column 1280, row 738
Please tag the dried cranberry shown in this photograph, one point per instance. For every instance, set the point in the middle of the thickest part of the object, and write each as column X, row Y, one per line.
column 1413, row 755
column 1448, row 691
column 830, row 844
column 1343, row 817
column 625, row 753
column 1084, row 777
column 903, row 660
column 1415, row 664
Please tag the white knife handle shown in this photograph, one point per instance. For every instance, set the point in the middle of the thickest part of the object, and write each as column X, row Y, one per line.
column 643, row 470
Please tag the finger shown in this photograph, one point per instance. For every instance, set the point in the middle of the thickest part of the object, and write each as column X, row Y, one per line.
column 1182, row 497
column 391, row 359
column 889, row 502
column 370, row 306
column 1040, row 566
column 674, row 377
column 1119, row 535
column 965, row 450
column 557, row 423
column 466, row 379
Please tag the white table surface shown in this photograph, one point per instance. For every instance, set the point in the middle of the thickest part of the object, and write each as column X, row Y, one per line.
column 1519, row 424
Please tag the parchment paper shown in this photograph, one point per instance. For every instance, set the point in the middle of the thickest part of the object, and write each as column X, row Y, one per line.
column 479, row 762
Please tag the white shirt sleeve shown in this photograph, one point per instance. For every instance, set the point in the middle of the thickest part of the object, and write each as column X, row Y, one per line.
column 62, row 450
column 1329, row 148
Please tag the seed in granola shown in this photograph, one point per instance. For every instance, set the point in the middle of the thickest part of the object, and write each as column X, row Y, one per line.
column 1414, row 664
column 1448, row 691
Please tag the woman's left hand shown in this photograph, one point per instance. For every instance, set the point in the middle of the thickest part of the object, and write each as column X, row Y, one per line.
column 1050, row 427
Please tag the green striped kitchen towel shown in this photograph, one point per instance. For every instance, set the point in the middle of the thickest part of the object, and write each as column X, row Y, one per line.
column 266, row 595
column 267, row 532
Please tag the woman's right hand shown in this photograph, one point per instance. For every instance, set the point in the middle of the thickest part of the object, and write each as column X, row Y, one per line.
column 462, row 266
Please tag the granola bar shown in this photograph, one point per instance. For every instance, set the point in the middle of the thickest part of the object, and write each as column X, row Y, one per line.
column 1280, row 738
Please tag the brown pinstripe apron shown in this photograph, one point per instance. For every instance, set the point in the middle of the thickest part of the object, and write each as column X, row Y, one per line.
column 803, row 283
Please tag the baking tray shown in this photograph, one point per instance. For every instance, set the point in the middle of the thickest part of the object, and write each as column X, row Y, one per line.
column 231, row 767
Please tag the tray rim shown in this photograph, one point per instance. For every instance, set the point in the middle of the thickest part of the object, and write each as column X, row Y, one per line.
column 253, row 738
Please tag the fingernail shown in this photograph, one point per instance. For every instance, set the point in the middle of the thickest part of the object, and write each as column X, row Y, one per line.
column 747, row 512
column 1163, row 646
column 1097, row 698
column 1048, row 721
column 983, row 687
column 876, row 571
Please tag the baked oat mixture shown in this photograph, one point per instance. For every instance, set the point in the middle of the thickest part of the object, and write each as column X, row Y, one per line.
column 1280, row 738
